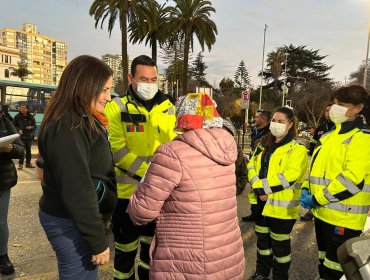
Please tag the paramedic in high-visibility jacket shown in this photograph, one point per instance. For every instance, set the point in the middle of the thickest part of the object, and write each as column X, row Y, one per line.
column 276, row 172
column 338, row 188
column 139, row 122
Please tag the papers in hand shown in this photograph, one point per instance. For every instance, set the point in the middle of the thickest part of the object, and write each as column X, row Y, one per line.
column 4, row 141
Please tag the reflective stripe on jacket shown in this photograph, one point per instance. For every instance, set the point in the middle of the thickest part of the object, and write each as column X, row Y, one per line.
column 286, row 169
column 135, row 133
column 340, row 176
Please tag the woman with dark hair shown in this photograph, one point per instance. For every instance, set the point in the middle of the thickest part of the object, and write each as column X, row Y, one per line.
column 8, row 175
column 79, row 186
column 275, row 172
column 325, row 126
column 338, row 189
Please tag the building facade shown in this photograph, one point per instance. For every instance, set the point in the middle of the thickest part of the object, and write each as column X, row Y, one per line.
column 9, row 59
column 114, row 62
column 44, row 56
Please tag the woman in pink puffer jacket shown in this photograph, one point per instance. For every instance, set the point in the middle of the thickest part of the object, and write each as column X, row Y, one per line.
column 189, row 189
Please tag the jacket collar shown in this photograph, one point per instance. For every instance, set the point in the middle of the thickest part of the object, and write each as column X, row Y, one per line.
column 350, row 125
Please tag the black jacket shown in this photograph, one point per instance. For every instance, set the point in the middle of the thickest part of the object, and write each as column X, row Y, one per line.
column 320, row 131
column 77, row 161
column 8, row 172
column 257, row 133
column 21, row 122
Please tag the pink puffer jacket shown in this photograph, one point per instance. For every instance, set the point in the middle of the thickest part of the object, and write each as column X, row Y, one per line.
column 190, row 189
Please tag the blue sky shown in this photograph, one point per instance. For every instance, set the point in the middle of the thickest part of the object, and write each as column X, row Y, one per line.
column 339, row 28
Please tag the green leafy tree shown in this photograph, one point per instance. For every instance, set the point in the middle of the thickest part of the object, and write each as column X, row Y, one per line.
column 198, row 70
column 148, row 25
column 189, row 18
column 358, row 76
column 21, row 72
column 241, row 77
column 302, row 64
column 172, row 55
column 227, row 86
column 121, row 10
column 275, row 62
column 311, row 99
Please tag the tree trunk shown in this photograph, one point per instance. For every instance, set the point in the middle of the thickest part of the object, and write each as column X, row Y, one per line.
column 124, row 51
column 186, row 61
column 154, row 49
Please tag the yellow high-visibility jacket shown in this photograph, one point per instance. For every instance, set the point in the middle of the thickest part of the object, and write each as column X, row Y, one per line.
column 286, row 169
column 134, row 135
column 340, row 176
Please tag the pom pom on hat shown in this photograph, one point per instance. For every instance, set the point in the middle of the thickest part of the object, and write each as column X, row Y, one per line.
column 197, row 110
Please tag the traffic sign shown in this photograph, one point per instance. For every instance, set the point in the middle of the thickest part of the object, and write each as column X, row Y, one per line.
column 285, row 90
column 245, row 99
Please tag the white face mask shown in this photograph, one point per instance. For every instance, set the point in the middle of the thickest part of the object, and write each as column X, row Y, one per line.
column 277, row 129
column 337, row 114
column 146, row 91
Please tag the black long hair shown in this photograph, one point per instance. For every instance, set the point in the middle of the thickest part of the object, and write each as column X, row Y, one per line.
column 354, row 94
column 81, row 83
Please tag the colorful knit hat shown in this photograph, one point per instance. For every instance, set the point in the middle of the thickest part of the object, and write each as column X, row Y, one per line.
column 197, row 110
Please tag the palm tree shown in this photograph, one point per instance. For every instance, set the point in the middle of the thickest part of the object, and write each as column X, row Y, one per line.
column 22, row 71
column 148, row 24
column 275, row 61
column 113, row 9
column 192, row 17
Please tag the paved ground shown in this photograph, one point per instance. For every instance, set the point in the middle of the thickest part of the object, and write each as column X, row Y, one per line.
column 33, row 258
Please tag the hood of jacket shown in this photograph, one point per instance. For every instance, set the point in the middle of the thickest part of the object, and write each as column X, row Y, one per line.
column 215, row 143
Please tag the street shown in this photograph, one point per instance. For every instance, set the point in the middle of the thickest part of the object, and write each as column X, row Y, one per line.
column 34, row 259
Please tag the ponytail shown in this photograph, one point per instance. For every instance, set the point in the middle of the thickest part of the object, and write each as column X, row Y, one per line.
column 366, row 110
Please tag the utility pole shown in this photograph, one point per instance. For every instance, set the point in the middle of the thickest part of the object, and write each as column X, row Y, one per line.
column 263, row 60
column 367, row 57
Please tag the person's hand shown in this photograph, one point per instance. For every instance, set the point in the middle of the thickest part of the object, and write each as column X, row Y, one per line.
column 306, row 201
column 101, row 258
column 7, row 149
column 263, row 197
column 20, row 132
column 304, row 192
column 29, row 127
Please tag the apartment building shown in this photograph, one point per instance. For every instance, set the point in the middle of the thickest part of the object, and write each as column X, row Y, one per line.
column 46, row 57
column 9, row 58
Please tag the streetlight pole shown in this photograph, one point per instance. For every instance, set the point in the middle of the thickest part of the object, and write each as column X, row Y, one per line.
column 263, row 60
column 285, row 76
column 367, row 57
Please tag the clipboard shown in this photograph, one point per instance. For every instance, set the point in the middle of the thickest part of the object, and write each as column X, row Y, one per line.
column 6, row 140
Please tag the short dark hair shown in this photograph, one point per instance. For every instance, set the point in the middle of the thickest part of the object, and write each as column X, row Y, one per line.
column 141, row 60
column 265, row 113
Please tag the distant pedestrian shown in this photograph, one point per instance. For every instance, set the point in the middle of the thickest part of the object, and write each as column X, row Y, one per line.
column 189, row 189
column 5, row 110
column 8, row 179
column 338, row 188
column 276, row 172
column 79, row 185
column 261, row 128
column 25, row 124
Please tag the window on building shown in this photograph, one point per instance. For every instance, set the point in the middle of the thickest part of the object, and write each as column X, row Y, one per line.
column 7, row 73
